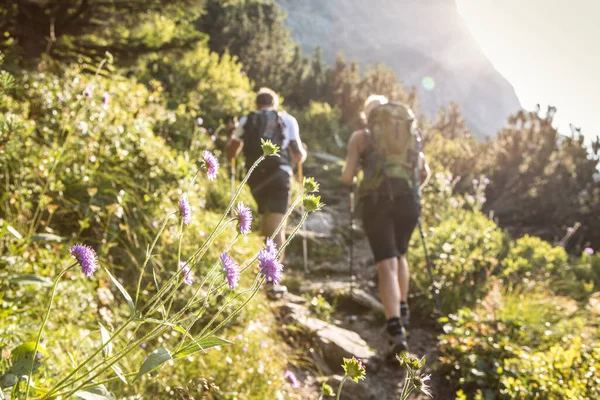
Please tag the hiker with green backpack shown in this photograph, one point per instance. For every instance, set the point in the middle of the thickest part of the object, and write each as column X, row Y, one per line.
column 270, row 182
column 387, row 150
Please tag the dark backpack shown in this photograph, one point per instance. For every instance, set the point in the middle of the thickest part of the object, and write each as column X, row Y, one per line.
column 267, row 125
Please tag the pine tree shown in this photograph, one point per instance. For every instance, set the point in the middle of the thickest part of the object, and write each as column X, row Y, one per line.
column 255, row 32
column 67, row 28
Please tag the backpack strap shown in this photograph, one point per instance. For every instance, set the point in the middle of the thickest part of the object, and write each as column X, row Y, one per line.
column 281, row 124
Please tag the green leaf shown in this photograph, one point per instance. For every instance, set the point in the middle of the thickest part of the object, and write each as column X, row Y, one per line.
column 99, row 392
column 31, row 280
column 157, row 358
column 124, row 292
column 21, row 358
column 46, row 237
column 119, row 373
column 201, row 345
column 107, row 350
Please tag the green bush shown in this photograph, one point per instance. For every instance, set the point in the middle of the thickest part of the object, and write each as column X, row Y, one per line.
column 531, row 259
column 464, row 249
column 481, row 350
column 321, row 129
column 568, row 370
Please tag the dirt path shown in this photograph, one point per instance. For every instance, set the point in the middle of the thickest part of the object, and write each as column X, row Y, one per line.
column 330, row 229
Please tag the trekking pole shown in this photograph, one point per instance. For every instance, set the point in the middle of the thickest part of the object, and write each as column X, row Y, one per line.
column 232, row 183
column 351, row 318
column 417, row 189
column 304, row 244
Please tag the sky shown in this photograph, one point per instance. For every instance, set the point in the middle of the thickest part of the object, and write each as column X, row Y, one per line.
column 549, row 50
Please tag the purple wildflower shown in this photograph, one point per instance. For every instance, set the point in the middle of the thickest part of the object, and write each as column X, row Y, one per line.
column 289, row 375
column 59, row 97
column 105, row 99
column 185, row 210
column 483, row 199
column 239, row 337
column 211, row 164
column 470, row 199
column 199, row 121
column 88, row 92
column 263, row 344
column 188, row 277
column 475, row 182
column 143, row 345
column 271, row 247
column 86, row 257
column 244, row 218
column 570, row 230
column 589, row 251
column 155, row 224
column 361, row 365
column 486, row 181
column 244, row 349
column 453, row 202
column 268, row 263
column 231, row 270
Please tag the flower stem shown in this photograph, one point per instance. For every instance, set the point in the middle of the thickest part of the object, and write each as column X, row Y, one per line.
column 149, row 255
column 340, row 387
column 166, row 287
column 41, row 331
column 61, row 384
column 256, row 286
column 289, row 239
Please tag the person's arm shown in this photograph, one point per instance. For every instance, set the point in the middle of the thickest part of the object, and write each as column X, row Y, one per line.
column 351, row 165
column 235, row 143
column 425, row 171
column 297, row 148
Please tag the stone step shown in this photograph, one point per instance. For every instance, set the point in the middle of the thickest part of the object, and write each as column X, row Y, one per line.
column 334, row 342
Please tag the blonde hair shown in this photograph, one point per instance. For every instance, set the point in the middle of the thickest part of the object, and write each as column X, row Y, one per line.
column 372, row 101
column 266, row 93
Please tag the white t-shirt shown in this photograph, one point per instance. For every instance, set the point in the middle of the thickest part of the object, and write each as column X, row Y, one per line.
column 291, row 132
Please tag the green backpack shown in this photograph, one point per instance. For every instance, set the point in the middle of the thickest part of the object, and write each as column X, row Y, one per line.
column 391, row 147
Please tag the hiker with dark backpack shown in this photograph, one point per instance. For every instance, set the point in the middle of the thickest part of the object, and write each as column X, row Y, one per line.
column 387, row 152
column 270, row 182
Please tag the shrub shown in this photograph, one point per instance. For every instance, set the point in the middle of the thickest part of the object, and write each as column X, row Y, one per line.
column 464, row 250
column 568, row 370
column 321, row 129
column 482, row 349
column 531, row 259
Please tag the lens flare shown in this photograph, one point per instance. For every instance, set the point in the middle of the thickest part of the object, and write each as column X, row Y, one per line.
column 428, row 83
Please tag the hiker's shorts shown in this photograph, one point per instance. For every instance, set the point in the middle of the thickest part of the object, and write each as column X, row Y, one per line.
column 389, row 223
column 271, row 190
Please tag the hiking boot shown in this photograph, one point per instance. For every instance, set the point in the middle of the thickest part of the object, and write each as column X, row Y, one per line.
column 397, row 343
column 275, row 292
column 404, row 315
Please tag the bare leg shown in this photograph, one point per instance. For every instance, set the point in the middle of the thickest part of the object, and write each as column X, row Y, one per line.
column 403, row 278
column 269, row 223
column 389, row 291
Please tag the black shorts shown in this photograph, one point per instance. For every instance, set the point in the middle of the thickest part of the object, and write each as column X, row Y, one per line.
column 389, row 223
column 271, row 190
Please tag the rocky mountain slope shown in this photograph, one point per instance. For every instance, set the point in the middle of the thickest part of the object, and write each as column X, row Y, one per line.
column 426, row 42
